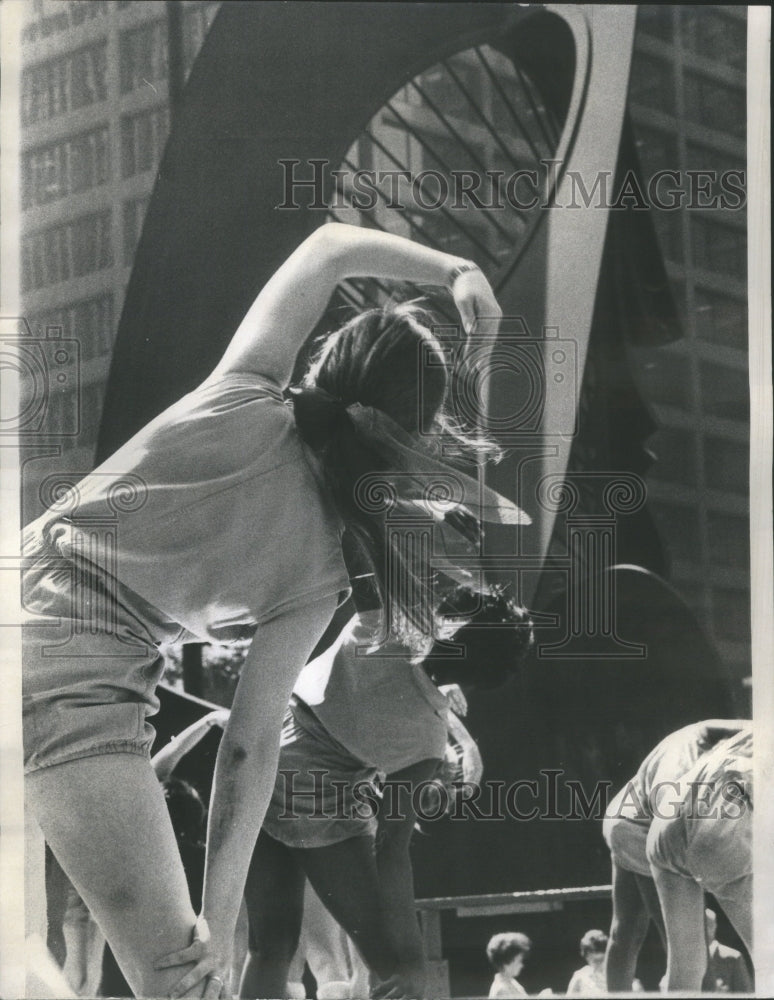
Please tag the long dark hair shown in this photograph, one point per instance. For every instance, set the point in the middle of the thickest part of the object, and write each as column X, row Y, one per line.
column 386, row 358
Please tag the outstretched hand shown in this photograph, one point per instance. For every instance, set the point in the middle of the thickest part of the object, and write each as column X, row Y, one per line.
column 209, row 967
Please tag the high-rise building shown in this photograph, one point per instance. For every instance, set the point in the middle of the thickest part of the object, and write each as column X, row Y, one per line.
column 95, row 115
column 688, row 103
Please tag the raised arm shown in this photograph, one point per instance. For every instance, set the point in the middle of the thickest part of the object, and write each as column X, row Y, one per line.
column 295, row 297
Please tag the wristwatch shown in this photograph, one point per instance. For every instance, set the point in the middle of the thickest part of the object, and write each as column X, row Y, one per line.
column 459, row 269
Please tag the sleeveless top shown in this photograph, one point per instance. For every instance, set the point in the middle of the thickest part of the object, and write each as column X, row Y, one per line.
column 215, row 513
column 382, row 708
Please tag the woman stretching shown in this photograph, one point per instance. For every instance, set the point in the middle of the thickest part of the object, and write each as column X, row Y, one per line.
column 352, row 716
column 225, row 517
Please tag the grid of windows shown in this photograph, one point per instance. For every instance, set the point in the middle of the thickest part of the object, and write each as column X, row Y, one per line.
column 710, row 33
column 75, row 164
column 66, row 83
column 67, row 250
column 688, row 109
column 714, row 104
column 89, row 321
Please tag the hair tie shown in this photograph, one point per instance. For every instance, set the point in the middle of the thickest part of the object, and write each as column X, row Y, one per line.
column 319, row 415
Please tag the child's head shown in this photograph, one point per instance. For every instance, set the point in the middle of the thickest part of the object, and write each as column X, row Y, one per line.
column 508, row 952
column 593, row 946
column 496, row 636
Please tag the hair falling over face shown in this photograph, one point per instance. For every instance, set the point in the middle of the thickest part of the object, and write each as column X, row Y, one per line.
column 388, row 359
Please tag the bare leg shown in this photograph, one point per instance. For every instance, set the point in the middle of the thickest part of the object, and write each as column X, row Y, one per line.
column 736, row 900
column 649, row 895
column 682, row 903
column 396, row 878
column 274, row 894
column 107, row 823
column 627, row 931
column 345, row 878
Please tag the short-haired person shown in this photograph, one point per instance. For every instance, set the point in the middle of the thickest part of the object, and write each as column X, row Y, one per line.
column 507, row 954
column 590, row 980
column 703, row 843
column 356, row 713
column 227, row 513
column 625, row 828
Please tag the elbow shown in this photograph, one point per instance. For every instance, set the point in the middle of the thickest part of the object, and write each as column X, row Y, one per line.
column 329, row 246
column 235, row 751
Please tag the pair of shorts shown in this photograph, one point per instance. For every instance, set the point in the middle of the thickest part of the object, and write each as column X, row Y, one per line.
column 90, row 661
column 626, row 839
column 713, row 850
column 323, row 794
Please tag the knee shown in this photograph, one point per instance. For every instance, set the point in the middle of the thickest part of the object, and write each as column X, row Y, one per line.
column 276, row 945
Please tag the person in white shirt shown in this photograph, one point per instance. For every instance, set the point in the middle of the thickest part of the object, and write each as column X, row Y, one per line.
column 507, row 954
column 590, row 981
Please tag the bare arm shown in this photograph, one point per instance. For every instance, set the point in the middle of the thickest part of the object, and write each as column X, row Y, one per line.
column 295, row 297
column 245, row 772
column 167, row 759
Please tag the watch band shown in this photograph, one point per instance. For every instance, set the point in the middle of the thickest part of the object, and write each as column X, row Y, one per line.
column 459, row 269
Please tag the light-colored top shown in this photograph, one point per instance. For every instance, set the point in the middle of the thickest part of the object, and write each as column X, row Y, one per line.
column 214, row 512
column 588, row 982
column 707, row 834
column 676, row 754
column 384, row 709
column 505, row 987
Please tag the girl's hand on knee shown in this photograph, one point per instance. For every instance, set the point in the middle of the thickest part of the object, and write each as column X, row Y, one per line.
column 208, row 966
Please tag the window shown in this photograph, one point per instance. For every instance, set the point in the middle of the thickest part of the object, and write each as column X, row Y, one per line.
column 89, row 321
column 142, row 140
column 666, row 378
column 726, row 465
column 724, row 391
column 729, row 541
column 718, row 247
column 716, row 105
column 731, row 613
column 143, row 56
column 76, row 164
column 675, row 450
column 714, row 35
column 679, row 528
column 656, row 20
column 721, row 320
column 197, row 20
column 652, row 83
column 67, row 250
column 60, row 85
